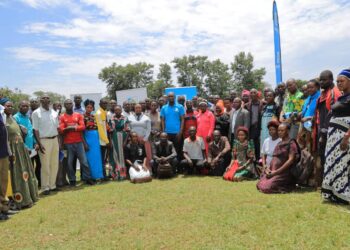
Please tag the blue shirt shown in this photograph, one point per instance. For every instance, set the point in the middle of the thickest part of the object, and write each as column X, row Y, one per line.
column 24, row 121
column 172, row 117
column 310, row 103
column 80, row 110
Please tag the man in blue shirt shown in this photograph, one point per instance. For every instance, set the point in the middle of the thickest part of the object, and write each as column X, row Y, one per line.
column 172, row 116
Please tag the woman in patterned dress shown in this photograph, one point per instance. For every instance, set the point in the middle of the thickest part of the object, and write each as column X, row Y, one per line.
column 119, row 133
column 336, row 181
column 270, row 112
column 92, row 141
column 23, row 180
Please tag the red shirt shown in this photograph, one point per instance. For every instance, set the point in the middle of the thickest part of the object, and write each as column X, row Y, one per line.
column 76, row 120
column 189, row 121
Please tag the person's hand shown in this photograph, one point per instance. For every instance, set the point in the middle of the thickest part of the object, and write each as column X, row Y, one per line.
column 137, row 168
column 24, row 130
column 86, row 147
column 344, row 145
column 36, row 147
column 109, row 145
column 12, row 158
column 270, row 174
column 179, row 137
column 208, row 138
column 42, row 149
column 69, row 128
column 190, row 163
column 303, row 120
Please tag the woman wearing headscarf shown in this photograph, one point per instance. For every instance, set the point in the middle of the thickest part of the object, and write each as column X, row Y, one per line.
column 222, row 120
column 336, row 181
column 23, row 180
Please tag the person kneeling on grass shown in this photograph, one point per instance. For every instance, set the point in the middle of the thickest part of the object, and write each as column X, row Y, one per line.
column 194, row 153
column 136, row 160
column 243, row 152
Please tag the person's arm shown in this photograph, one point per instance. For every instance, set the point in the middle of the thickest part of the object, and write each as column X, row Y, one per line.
column 81, row 125
column 212, row 124
column 181, row 127
column 227, row 147
column 148, row 129
column 37, row 137
column 162, row 120
column 285, row 166
column 173, row 153
column 187, row 157
column 86, row 146
column 204, row 153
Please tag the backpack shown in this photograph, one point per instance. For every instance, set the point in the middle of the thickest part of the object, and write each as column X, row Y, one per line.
column 165, row 170
column 304, row 164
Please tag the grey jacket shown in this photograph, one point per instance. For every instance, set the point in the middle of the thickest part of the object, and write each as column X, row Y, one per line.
column 242, row 120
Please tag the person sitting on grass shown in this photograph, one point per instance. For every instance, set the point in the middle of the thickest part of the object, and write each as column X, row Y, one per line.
column 243, row 152
column 278, row 178
column 269, row 144
column 218, row 155
column 164, row 155
column 136, row 160
column 194, row 153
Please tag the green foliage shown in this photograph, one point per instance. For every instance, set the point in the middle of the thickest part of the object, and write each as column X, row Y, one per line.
column 192, row 71
column 244, row 74
column 54, row 97
column 218, row 81
column 119, row 77
column 16, row 96
column 164, row 73
column 301, row 83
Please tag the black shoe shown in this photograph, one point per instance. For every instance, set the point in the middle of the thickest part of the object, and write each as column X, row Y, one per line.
column 3, row 217
column 72, row 183
column 46, row 192
column 90, row 182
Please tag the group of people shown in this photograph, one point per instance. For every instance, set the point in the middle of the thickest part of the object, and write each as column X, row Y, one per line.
column 253, row 136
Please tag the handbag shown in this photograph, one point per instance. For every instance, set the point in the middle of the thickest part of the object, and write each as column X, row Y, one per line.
column 230, row 172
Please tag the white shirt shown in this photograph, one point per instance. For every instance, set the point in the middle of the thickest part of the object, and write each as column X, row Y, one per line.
column 233, row 122
column 268, row 147
column 46, row 122
column 141, row 126
column 194, row 148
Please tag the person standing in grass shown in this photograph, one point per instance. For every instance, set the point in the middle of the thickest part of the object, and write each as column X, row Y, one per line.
column 45, row 125
column 119, row 126
column 92, row 144
column 205, row 124
column 156, row 124
column 278, row 178
column 336, row 180
column 72, row 127
column 24, row 183
column 102, row 128
column 136, row 160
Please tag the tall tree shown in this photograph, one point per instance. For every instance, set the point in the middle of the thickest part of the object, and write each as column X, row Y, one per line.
column 53, row 96
column 16, row 96
column 218, row 81
column 164, row 73
column 244, row 74
column 118, row 77
column 192, row 71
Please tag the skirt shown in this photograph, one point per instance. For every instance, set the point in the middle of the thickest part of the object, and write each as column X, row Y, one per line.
column 94, row 154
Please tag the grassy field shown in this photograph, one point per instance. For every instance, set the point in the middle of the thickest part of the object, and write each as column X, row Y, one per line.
column 183, row 213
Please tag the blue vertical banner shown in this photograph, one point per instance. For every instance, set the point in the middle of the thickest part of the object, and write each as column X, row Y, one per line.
column 277, row 41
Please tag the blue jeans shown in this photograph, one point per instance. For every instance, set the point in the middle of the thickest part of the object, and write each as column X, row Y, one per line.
column 77, row 150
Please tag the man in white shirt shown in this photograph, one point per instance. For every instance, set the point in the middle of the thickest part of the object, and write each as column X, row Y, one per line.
column 45, row 125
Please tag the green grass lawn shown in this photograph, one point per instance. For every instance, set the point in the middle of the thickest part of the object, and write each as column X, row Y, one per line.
column 182, row 213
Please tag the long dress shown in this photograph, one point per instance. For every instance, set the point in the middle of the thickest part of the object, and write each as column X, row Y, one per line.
column 205, row 126
column 92, row 139
column 242, row 152
column 284, row 182
column 269, row 112
column 336, row 181
column 118, row 128
column 23, row 180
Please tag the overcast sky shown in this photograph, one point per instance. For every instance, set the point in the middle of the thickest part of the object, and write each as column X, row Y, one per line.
column 61, row 45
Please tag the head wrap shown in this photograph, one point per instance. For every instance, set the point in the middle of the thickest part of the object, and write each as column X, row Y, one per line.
column 220, row 104
column 3, row 100
column 244, row 129
column 245, row 92
column 346, row 73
